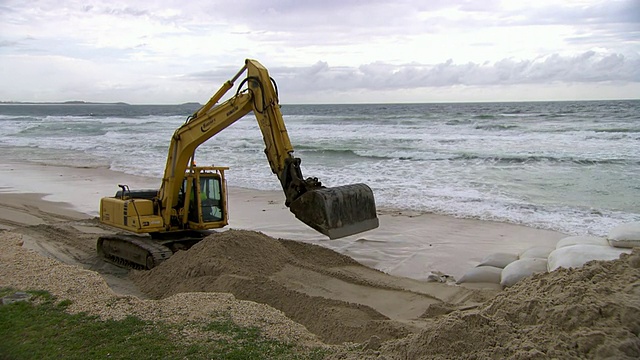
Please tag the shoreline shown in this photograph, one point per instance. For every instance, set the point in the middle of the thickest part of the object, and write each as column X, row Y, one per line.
column 406, row 244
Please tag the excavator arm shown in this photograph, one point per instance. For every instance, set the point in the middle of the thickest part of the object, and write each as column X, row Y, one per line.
column 335, row 212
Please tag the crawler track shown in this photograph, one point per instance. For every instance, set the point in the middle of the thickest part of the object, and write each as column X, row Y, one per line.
column 132, row 251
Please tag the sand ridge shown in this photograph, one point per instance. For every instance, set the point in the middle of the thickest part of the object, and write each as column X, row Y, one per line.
column 335, row 297
column 592, row 312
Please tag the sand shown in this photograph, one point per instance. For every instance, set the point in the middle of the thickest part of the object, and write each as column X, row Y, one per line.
column 592, row 312
column 332, row 295
column 368, row 289
column 87, row 292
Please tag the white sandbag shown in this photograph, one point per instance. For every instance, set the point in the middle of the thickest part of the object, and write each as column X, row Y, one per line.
column 481, row 274
column 537, row 252
column 625, row 235
column 577, row 255
column 581, row 240
column 520, row 269
column 499, row 260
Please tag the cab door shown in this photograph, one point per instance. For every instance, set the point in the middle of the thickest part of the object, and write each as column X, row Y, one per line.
column 206, row 205
column 211, row 206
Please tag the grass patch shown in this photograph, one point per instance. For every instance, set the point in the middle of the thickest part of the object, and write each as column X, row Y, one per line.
column 6, row 291
column 247, row 343
column 41, row 329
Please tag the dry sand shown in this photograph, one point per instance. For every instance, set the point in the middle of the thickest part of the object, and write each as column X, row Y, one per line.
column 328, row 294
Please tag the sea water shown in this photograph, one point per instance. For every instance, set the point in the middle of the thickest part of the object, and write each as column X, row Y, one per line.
column 567, row 166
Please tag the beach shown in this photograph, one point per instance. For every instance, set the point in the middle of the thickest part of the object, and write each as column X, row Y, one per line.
column 371, row 289
column 453, row 184
column 407, row 244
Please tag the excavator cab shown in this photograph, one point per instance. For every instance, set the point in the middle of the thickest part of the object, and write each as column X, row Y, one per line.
column 207, row 198
column 211, row 199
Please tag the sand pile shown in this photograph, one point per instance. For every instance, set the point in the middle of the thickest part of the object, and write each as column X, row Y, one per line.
column 256, row 267
column 592, row 312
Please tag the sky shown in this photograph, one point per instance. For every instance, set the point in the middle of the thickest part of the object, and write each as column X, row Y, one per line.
column 328, row 51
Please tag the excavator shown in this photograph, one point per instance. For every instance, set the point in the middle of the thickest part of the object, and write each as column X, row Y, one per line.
column 192, row 200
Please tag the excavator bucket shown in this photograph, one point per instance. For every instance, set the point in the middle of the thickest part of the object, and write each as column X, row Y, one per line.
column 339, row 211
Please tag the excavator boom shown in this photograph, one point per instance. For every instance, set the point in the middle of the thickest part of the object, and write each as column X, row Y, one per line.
column 334, row 212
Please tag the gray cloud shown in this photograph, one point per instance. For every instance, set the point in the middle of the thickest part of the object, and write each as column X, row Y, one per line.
column 609, row 12
column 401, row 45
column 8, row 43
column 341, row 22
column 370, row 17
column 588, row 67
column 587, row 70
column 300, row 24
column 603, row 23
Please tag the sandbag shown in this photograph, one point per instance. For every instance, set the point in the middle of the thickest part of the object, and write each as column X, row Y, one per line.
column 537, row 252
column 499, row 260
column 577, row 255
column 481, row 274
column 625, row 235
column 581, row 240
column 520, row 269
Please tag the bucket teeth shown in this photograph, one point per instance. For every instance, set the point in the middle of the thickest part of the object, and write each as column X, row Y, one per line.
column 339, row 211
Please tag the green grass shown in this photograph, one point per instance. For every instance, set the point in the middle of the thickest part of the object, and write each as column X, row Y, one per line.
column 41, row 329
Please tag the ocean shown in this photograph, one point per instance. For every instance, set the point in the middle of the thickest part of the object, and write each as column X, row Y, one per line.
column 567, row 166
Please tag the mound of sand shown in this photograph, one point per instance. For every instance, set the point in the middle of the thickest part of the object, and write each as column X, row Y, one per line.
column 24, row 269
column 591, row 312
column 256, row 267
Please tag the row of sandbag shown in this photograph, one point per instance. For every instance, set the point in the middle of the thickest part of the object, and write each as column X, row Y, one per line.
column 570, row 252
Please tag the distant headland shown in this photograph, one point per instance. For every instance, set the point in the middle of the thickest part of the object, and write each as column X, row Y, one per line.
column 80, row 102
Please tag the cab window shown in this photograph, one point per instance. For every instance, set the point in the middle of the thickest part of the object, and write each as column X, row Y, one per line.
column 210, row 199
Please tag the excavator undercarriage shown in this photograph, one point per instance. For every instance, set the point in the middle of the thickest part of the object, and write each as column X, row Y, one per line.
column 145, row 252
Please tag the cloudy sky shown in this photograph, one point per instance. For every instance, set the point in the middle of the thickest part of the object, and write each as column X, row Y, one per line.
column 322, row 51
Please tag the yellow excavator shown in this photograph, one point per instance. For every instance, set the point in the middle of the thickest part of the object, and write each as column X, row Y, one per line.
column 192, row 200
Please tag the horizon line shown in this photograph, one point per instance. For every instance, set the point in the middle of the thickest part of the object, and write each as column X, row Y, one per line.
column 83, row 102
